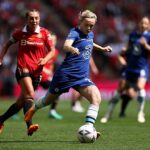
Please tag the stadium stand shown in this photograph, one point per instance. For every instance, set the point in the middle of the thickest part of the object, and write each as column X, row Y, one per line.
column 115, row 20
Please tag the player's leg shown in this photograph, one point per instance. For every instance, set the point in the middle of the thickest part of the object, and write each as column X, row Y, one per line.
column 56, row 88
column 114, row 101
column 141, row 99
column 31, row 128
column 126, row 97
column 124, row 102
column 16, row 117
column 13, row 109
column 75, row 102
column 111, row 106
column 52, row 109
column 92, row 94
column 53, row 113
column 27, row 87
column 40, row 103
column 130, row 92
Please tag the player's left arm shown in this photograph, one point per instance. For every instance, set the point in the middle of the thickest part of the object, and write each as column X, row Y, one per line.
column 93, row 66
column 50, row 54
column 51, row 50
column 100, row 48
column 144, row 43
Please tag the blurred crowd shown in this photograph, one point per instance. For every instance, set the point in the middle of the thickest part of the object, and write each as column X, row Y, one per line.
column 116, row 18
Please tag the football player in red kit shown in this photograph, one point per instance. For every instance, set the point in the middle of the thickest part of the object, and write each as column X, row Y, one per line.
column 32, row 56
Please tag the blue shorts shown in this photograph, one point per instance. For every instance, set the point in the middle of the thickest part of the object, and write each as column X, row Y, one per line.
column 61, row 84
column 123, row 73
column 132, row 76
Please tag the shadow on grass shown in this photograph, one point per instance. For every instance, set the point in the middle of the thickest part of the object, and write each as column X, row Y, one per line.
column 39, row 141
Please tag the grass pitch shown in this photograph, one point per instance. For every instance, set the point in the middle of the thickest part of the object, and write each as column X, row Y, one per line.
column 118, row 134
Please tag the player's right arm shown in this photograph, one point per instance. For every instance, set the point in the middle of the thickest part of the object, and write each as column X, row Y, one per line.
column 122, row 55
column 4, row 50
column 69, row 48
column 5, row 47
column 72, row 36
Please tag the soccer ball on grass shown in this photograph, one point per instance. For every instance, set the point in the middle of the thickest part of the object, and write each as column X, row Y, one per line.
column 87, row 134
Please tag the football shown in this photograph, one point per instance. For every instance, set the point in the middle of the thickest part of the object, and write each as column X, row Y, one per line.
column 87, row 134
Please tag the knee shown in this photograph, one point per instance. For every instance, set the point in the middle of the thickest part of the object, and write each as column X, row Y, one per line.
column 96, row 98
column 142, row 93
column 132, row 93
column 30, row 94
column 19, row 104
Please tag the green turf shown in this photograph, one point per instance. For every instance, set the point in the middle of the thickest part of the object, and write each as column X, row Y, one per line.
column 118, row 134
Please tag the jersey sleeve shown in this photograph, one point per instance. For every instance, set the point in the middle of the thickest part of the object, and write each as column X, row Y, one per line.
column 73, row 35
column 14, row 36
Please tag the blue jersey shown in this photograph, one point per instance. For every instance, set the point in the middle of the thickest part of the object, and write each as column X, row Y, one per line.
column 74, row 70
column 77, row 66
column 137, row 55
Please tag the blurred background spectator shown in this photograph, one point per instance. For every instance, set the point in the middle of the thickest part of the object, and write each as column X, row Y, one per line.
column 116, row 18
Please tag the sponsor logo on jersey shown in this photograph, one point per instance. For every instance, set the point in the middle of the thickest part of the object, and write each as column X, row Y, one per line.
column 25, row 42
column 87, row 52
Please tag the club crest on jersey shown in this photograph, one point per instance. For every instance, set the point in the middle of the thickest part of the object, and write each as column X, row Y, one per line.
column 23, row 42
column 137, row 50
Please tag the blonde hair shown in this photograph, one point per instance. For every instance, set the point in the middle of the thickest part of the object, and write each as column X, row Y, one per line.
column 86, row 14
column 32, row 10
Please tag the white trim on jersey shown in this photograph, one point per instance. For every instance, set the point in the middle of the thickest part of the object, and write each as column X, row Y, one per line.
column 37, row 30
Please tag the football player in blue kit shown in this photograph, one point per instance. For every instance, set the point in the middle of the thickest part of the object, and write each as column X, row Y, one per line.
column 138, row 52
column 120, row 89
column 136, row 56
column 74, row 71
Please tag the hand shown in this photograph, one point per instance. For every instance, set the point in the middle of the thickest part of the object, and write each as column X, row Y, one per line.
column 107, row 49
column 42, row 61
column 75, row 51
column 143, row 41
column 0, row 62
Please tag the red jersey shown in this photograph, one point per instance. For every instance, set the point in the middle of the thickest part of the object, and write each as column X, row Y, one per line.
column 49, row 66
column 31, row 48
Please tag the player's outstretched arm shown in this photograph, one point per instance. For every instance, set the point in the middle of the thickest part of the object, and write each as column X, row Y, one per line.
column 4, row 50
column 105, row 49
